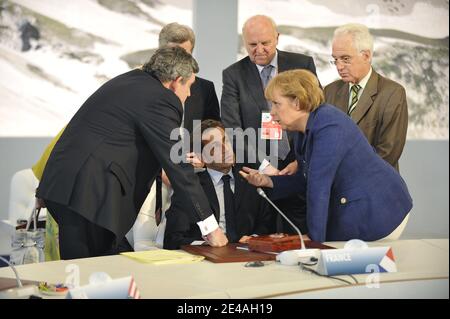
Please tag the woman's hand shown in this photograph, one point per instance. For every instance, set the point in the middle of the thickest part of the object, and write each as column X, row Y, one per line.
column 254, row 178
column 194, row 160
column 291, row 169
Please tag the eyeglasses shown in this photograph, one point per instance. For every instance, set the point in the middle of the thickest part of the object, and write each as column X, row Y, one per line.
column 346, row 60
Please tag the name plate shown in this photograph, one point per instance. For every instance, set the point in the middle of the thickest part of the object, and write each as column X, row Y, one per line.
column 270, row 130
column 356, row 261
column 106, row 288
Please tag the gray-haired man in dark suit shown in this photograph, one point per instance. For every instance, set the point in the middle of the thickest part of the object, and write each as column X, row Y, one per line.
column 97, row 176
column 243, row 102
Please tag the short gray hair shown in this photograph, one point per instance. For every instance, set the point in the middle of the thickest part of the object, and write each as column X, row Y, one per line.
column 169, row 63
column 362, row 39
column 177, row 34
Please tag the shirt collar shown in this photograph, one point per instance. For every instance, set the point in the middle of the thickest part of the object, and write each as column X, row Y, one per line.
column 216, row 176
column 273, row 63
column 363, row 81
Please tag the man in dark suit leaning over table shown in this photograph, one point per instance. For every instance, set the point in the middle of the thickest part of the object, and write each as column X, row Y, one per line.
column 241, row 212
column 98, row 174
column 202, row 104
column 243, row 104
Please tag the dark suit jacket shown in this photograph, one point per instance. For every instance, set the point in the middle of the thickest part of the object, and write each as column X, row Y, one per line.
column 202, row 104
column 253, row 214
column 351, row 192
column 381, row 113
column 112, row 149
column 243, row 98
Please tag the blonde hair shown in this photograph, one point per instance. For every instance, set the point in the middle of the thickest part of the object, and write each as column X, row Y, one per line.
column 297, row 84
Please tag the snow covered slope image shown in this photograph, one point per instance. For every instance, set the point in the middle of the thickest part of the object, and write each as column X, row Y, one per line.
column 54, row 54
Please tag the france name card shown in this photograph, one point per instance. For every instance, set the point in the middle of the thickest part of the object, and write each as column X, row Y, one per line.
column 101, row 286
column 356, row 261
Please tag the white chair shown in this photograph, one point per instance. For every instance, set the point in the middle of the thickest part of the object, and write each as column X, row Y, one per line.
column 145, row 234
column 21, row 202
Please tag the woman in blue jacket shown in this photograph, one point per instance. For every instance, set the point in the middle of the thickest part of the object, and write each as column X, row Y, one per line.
column 351, row 192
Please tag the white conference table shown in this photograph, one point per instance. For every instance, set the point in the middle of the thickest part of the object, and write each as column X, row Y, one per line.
column 423, row 267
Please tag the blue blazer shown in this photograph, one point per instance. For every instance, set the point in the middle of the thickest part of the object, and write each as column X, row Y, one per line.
column 351, row 192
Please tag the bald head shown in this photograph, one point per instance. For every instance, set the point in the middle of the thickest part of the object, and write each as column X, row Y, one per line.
column 260, row 38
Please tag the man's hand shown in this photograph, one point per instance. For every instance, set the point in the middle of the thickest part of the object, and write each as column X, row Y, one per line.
column 217, row 238
column 255, row 178
column 244, row 239
column 195, row 160
column 291, row 169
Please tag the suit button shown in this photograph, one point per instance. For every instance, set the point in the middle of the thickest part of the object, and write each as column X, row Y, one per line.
column 343, row 200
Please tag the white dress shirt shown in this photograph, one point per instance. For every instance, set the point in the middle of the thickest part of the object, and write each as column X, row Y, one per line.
column 273, row 63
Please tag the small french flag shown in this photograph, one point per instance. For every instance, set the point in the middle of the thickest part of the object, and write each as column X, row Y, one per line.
column 388, row 262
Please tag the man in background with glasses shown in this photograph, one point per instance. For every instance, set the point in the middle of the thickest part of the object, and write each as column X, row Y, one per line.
column 377, row 104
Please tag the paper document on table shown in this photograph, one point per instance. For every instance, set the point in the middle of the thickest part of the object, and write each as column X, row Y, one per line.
column 197, row 242
column 163, row 257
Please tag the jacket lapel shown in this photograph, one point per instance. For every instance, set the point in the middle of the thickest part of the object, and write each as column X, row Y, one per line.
column 367, row 98
column 251, row 76
column 283, row 63
column 342, row 96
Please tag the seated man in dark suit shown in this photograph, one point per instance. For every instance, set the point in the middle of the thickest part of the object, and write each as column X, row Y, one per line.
column 241, row 212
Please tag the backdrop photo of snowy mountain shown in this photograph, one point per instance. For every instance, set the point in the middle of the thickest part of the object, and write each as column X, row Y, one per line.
column 54, row 54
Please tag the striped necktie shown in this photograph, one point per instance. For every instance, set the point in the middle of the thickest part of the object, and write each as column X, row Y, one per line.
column 354, row 94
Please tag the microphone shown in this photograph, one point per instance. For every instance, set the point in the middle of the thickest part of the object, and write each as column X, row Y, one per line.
column 20, row 291
column 296, row 256
column 263, row 195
